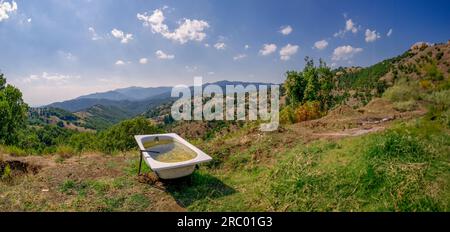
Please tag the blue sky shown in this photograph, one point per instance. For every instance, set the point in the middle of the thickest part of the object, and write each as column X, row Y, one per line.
column 55, row 50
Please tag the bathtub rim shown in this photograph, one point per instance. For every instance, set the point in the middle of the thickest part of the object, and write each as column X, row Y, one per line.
column 155, row 165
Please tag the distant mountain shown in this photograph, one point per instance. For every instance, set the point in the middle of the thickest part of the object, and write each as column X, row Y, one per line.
column 131, row 94
column 130, row 99
column 101, row 110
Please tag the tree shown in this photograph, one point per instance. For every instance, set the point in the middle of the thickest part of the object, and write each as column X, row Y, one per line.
column 120, row 137
column 326, row 85
column 295, row 86
column 13, row 112
column 311, row 75
column 311, row 84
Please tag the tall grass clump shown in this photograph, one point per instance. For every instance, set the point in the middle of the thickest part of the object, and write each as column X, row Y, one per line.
column 397, row 145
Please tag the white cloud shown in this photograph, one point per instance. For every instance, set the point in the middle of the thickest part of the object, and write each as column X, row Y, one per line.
column 268, row 49
column 67, row 55
column 345, row 52
column 247, row 46
column 239, row 57
column 211, row 73
column 321, row 44
column 207, row 45
column 220, row 46
column 94, row 35
column 286, row 30
column 120, row 62
column 29, row 20
column 124, row 37
column 143, row 61
column 191, row 68
column 371, row 36
column 6, row 8
column 287, row 51
column 49, row 78
column 349, row 26
column 163, row 56
column 187, row 30
column 389, row 33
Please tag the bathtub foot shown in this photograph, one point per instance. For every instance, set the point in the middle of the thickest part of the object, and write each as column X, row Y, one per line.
column 140, row 164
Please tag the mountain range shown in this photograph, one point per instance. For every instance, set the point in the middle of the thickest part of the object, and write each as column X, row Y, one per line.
column 101, row 110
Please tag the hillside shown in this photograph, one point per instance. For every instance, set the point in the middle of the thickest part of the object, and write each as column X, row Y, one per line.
column 99, row 117
column 380, row 143
column 102, row 110
column 130, row 94
column 57, row 117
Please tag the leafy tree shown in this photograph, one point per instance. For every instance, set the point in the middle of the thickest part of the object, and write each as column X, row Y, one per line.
column 121, row 136
column 326, row 85
column 13, row 112
column 295, row 86
column 311, row 84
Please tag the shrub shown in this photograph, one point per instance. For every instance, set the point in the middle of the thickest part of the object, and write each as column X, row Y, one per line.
column 287, row 115
column 121, row 136
column 405, row 106
column 402, row 91
column 440, row 99
column 425, row 84
column 84, row 141
column 65, row 151
column 433, row 72
column 308, row 111
column 14, row 151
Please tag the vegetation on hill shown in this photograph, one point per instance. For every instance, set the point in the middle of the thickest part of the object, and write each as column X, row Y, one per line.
column 383, row 145
column 12, row 112
column 101, row 117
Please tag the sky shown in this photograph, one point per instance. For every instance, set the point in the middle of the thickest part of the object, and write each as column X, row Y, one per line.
column 55, row 50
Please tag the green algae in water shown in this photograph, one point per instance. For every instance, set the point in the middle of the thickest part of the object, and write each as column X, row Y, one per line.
column 170, row 151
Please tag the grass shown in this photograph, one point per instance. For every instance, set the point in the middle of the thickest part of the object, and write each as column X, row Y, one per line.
column 403, row 169
column 391, row 171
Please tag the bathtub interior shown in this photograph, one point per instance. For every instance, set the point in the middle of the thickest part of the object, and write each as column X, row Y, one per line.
column 169, row 150
column 155, row 165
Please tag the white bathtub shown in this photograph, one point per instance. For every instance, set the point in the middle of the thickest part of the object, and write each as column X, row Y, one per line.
column 171, row 170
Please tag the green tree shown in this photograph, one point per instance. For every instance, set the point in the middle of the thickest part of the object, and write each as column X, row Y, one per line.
column 311, row 84
column 295, row 86
column 121, row 136
column 311, row 75
column 13, row 112
column 326, row 85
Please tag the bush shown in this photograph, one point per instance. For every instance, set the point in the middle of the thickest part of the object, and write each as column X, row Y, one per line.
column 441, row 99
column 405, row 106
column 308, row 111
column 287, row 115
column 425, row 84
column 65, row 151
column 14, row 151
column 402, row 91
column 83, row 141
column 121, row 136
column 433, row 72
